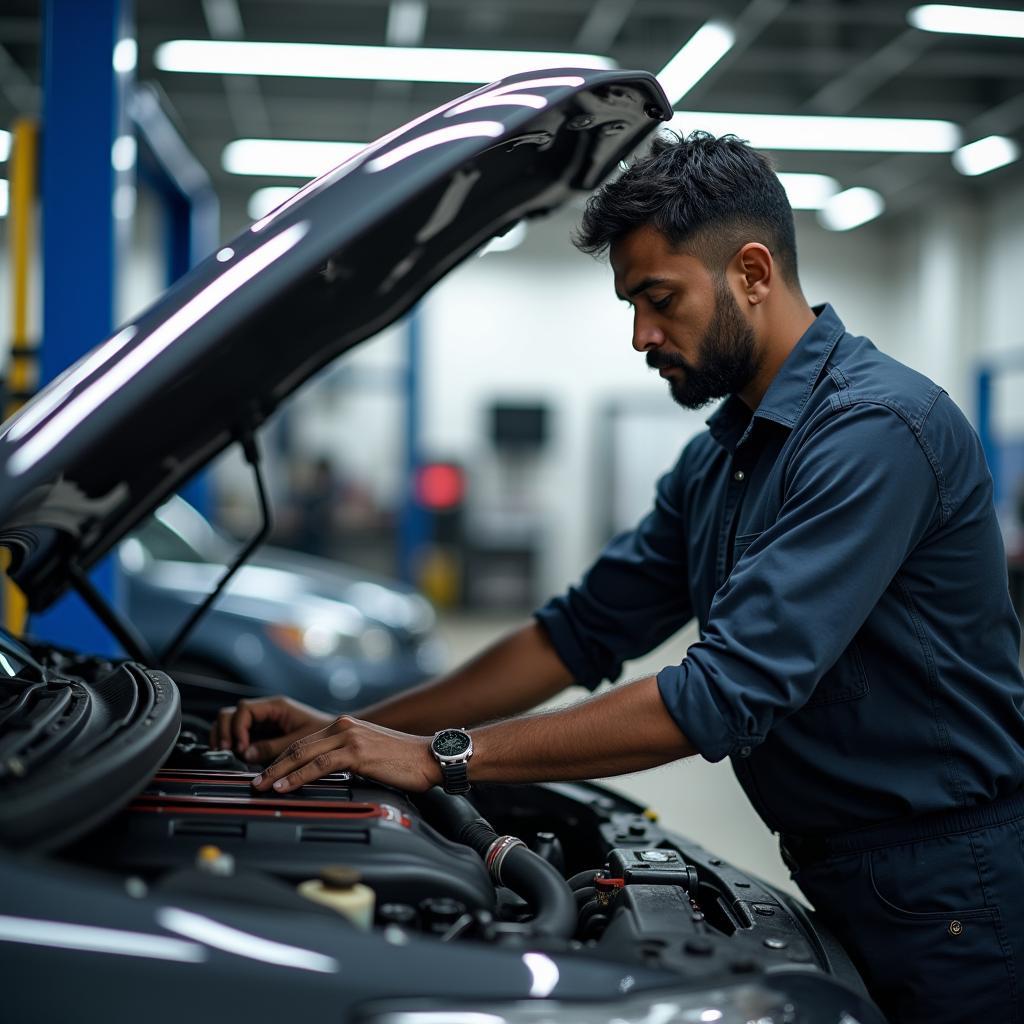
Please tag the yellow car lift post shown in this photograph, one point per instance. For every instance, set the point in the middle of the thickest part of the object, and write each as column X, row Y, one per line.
column 23, row 361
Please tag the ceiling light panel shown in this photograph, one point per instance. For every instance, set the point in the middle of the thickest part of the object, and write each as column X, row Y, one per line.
column 708, row 45
column 5, row 145
column 851, row 208
column 264, row 200
column 286, row 158
column 969, row 21
column 808, row 191
column 986, row 155
column 375, row 63
column 832, row 134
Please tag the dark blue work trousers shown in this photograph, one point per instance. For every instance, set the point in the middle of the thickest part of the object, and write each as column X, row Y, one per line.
column 932, row 911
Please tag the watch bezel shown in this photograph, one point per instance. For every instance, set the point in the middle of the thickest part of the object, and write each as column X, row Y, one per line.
column 452, row 758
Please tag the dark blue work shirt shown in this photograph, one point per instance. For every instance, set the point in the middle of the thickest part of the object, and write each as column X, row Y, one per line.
column 858, row 652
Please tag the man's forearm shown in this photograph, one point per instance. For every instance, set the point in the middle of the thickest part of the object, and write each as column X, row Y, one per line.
column 513, row 675
column 626, row 729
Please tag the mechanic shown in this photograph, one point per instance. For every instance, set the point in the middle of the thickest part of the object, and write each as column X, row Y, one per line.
column 833, row 533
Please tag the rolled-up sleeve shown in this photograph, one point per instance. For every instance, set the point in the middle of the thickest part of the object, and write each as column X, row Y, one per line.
column 634, row 597
column 859, row 495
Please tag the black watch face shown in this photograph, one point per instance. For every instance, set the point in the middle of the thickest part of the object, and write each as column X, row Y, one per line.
column 451, row 743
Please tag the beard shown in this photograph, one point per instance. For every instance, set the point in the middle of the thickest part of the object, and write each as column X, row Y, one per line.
column 727, row 352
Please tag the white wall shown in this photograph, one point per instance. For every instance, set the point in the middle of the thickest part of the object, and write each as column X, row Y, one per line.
column 542, row 321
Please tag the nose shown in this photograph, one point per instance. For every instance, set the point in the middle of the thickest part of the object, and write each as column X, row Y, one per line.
column 646, row 335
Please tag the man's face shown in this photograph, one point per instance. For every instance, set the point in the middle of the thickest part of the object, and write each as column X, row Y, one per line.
column 685, row 318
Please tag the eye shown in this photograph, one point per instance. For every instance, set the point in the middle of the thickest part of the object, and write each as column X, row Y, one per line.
column 659, row 303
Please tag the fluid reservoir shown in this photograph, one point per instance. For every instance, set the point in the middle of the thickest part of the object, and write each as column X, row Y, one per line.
column 340, row 889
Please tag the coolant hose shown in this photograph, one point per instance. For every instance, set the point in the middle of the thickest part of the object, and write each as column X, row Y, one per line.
column 509, row 862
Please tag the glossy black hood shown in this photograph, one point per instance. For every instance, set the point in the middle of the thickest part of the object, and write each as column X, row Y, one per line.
column 207, row 363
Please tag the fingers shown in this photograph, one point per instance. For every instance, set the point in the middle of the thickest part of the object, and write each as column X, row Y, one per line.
column 305, row 760
column 220, row 733
column 244, row 716
column 265, row 751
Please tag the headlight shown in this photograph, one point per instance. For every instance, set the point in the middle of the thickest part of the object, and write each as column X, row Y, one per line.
column 742, row 1004
column 322, row 640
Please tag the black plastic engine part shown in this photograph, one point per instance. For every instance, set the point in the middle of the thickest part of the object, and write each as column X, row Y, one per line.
column 73, row 750
column 652, row 867
column 338, row 820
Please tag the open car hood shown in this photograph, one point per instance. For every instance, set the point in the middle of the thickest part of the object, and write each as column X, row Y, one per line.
column 208, row 362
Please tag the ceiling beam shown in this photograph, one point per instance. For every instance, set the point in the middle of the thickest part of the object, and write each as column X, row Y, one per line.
column 245, row 100
column 747, row 26
column 24, row 96
column 844, row 93
column 602, row 25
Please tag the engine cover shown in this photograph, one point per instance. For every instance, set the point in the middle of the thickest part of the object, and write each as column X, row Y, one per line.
column 339, row 820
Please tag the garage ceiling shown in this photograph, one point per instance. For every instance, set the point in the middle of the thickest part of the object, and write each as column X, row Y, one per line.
column 791, row 56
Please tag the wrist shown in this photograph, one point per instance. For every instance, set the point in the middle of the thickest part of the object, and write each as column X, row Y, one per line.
column 431, row 769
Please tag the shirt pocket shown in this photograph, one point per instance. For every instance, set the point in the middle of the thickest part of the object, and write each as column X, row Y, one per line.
column 845, row 680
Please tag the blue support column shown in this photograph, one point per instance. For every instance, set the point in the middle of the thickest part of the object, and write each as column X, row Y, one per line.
column 986, row 430
column 83, row 111
column 189, row 204
column 414, row 523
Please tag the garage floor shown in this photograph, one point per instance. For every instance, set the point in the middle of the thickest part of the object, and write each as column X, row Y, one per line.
column 702, row 801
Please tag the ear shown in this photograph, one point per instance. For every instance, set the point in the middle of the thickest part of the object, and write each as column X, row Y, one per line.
column 755, row 270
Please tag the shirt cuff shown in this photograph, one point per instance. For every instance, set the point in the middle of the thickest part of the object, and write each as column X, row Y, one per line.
column 569, row 645
column 690, row 702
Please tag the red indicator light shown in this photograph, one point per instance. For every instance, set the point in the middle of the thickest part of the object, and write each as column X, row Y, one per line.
column 440, row 486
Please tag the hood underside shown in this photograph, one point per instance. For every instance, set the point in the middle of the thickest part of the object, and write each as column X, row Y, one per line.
column 206, row 364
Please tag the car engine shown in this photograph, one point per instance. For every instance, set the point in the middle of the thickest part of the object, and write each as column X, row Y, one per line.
column 96, row 772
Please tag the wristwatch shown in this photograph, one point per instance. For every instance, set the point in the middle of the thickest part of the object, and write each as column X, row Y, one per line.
column 453, row 748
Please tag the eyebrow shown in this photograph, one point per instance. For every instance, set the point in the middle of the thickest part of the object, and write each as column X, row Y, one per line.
column 647, row 282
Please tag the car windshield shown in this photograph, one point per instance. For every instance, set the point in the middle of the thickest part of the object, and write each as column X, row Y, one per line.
column 176, row 532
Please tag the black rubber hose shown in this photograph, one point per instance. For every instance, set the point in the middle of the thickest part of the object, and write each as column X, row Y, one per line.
column 543, row 887
column 585, row 895
column 583, row 878
column 522, row 870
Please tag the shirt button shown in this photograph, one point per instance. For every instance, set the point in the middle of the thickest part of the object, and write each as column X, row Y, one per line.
column 739, row 475
column 744, row 751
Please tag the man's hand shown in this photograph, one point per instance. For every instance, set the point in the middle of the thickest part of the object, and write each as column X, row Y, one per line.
column 235, row 725
column 348, row 745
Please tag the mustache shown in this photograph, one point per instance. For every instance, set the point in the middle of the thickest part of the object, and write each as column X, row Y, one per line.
column 666, row 360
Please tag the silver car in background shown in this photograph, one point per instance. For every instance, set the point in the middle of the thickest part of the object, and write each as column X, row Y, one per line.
column 289, row 623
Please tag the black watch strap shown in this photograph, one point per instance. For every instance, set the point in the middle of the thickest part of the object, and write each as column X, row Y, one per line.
column 455, row 778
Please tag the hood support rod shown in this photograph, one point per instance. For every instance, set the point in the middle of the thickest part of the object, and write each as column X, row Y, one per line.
column 252, row 456
column 121, row 629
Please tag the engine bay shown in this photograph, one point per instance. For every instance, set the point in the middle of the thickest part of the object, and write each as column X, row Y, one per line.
column 101, row 770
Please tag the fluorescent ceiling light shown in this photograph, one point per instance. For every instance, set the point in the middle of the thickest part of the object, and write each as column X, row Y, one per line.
column 263, row 200
column 376, row 63
column 808, row 191
column 4, row 197
column 126, row 55
column 5, row 145
column 708, row 45
column 286, row 158
column 836, row 134
column 851, row 208
column 967, row 21
column 123, row 153
column 986, row 155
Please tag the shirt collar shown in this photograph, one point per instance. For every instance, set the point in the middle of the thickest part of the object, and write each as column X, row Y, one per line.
column 790, row 388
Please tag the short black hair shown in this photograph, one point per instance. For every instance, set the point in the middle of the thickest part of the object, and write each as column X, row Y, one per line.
column 710, row 195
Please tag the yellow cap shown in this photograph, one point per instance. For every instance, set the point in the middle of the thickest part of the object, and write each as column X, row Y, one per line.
column 208, row 852
column 650, row 814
